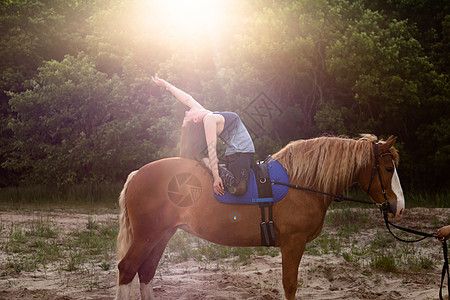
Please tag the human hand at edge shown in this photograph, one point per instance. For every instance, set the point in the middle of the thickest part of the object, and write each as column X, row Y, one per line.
column 443, row 233
column 159, row 81
column 218, row 186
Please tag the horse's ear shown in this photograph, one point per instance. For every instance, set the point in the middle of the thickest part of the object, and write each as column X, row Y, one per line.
column 388, row 144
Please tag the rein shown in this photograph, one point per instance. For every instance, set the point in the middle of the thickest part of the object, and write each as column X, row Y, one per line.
column 445, row 267
column 384, row 208
column 337, row 197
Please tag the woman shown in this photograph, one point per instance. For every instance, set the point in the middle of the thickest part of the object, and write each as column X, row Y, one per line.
column 200, row 130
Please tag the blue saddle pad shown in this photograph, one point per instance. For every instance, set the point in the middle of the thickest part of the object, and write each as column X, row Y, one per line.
column 277, row 173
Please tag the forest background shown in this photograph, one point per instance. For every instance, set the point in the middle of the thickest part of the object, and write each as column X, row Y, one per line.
column 78, row 105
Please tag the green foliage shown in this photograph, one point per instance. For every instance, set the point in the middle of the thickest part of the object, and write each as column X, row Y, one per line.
column 31, row 33
column 79, row 105
column 77, row 125
column 380, row 62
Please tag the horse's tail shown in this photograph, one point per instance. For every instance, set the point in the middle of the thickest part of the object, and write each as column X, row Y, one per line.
column 125, row 236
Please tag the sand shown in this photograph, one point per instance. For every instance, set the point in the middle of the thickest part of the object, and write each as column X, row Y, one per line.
column 324, row 276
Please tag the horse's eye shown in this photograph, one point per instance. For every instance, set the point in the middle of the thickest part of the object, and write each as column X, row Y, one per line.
column 390, row 170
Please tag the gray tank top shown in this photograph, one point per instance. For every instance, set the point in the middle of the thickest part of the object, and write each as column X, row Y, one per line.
column 235, row 135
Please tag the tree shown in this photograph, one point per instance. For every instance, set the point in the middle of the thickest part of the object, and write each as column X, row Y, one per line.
column 395, row 87
column 32, row 32
column 77, row 125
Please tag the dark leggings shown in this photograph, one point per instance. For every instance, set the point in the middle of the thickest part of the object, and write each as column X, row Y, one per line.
column 239, row 165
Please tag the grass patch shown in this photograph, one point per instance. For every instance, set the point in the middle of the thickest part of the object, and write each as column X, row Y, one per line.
column 347, row 256
column 382, row 240
column 30, row 248
column 184, row 247
column 383, row 262
column 85, row 198
column 96, row 240
column 381, row 252
column 324, row 244
column 41, row 244
column 419, row 263
column 347, row 220
column 436, row 198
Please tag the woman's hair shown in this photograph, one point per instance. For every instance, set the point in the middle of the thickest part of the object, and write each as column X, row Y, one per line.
column 193, row 141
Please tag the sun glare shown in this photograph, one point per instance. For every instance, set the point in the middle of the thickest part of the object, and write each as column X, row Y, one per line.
column 192, row 17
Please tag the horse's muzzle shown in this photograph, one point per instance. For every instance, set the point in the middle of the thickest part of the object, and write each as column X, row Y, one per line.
column 395, row 211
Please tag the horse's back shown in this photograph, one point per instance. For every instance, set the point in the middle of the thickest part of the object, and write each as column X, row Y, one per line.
column 161, row 172
column 167, row 186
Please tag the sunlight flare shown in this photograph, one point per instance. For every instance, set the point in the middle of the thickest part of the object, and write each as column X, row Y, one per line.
column 192, row 17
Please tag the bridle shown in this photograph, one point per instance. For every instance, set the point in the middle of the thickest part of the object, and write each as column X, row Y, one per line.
column 385, row 205
column 384, row 208
column 376, row 169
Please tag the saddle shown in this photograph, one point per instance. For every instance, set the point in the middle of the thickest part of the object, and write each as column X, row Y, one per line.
column 276, row 173
column 262, row 191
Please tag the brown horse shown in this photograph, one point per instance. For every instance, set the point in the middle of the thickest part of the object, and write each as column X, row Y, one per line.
column 177, row 193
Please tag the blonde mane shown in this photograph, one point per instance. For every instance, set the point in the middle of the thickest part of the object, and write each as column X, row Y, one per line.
column 328, row 164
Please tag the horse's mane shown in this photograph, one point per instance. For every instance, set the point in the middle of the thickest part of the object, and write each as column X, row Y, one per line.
column 328, row 164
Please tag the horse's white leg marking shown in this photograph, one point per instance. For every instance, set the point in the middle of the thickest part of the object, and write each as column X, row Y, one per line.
column 147, row 291
column 397, row 189
column 124, row 291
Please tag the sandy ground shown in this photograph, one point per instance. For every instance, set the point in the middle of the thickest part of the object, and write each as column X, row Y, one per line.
column 320, row 277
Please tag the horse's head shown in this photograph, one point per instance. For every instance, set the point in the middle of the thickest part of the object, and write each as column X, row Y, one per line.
column 380, row 179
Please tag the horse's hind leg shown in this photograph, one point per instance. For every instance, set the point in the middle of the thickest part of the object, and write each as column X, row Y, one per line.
column 123, row 291
column 148, row 268
column 128, row 267
column 136, row 256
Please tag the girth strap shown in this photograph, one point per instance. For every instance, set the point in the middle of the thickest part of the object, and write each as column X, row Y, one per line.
column 267, row 227
column 264, row 185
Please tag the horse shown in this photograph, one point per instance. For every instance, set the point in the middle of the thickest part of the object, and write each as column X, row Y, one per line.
column 176, row 193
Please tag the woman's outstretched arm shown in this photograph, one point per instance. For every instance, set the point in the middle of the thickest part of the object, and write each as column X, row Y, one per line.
column 182, row 96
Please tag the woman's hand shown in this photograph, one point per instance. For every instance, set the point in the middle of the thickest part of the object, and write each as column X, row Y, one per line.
column 159, row 81
column 443, row 233
column 218, row 186
column 184, row 97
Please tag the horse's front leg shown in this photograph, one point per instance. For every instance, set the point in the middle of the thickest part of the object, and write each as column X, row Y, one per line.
column 291, row 254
